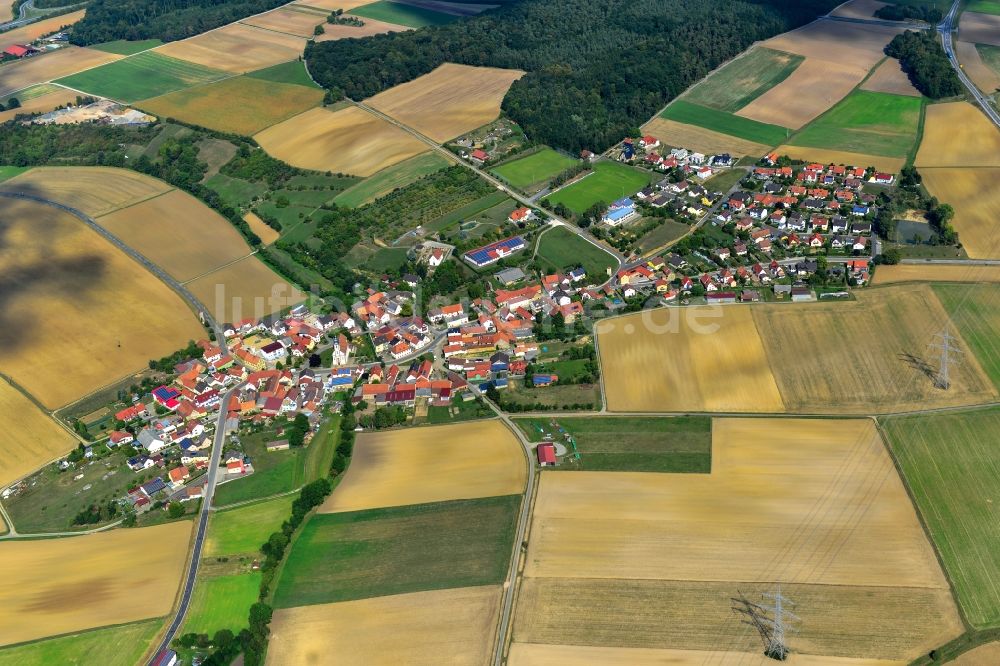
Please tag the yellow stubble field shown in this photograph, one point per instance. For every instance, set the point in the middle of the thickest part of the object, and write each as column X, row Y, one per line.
column 454, row 627
column 936, row 273
column 244, row 288
column 889, row 77
column 266, row 234
column 67, row 60
column 431, row 464
column 371, row 27
column 42, row 103
column 957, row 134
column 237, row 48
column 451, row 100
column 57, row 586
column 178, row 233
column 974, row 195
column 95, row 191
column 95, row 314
column 673, row 133
column 32, row 31
column 299, row 21
column 984, row 655
column 538, row 654
column 815, row 86
column 32, row 438
column 346, row 5
column 806, row 153
column 686, row 359
column 979, row 28
column 349, row 140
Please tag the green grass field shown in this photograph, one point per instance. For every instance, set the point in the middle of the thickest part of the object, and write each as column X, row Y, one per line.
column 235, row 191
column 222, row 602
column 562, row 249
column 609, row 181
column 719, row 121
column 11, row 171
column 866, row 122
column 245, row 528
column 113, row 646
column 389, row 179
column 343, row 556
column 983, row 6
column 387, row 258
column 666, row 232
column 394, row 12
column 140, row 77
column 535, row 168
column 127, row 48
column 973, row 311
column 472, row 211
column 288, row 72
column 949, row 462
column 745, row 79
column 724, row 180
column 627, row 444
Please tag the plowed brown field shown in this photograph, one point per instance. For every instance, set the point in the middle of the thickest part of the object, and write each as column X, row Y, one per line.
column 815, row 86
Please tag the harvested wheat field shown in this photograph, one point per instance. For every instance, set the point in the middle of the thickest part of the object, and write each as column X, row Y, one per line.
column 820, row 365
column 974, row 195
column 958, row 134
column 346, row 5
column 97, row 314
column 32, row 438
column 673, row 133
column 981, row 74
column 371, row 27
column 56, row 586
column 691, row 359
column 178, row 233
column 984, row 655
column 862, row 9
column 935, row 273
column 452, row 627
column 43, row 103
column 29, row 33
column 979, row 28
column 851, row 44
column 451, row 100
column 237, row 48
column 245, row 288
column 91, row 190
column 298, row 21
column 350, row 140
column 889, row 77
column 431, row 464
column 266, row 234
column 890, row 164
column 537, row 654
column 67, row 60
column 815, row 86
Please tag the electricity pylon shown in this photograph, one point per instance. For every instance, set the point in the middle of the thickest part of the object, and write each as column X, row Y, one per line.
column 943, row 342
column 772, row 621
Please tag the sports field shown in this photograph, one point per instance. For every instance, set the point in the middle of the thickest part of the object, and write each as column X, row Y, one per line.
column 629, row 444
column 344, row 556
column 953, row 472
column 123, row 645
column 237, row 48
column 672, row 133
column 683, row 111
column 222, row 602
column 973, row 311
column 32, row 438
column 957, row 134
column 292, row 19
column 611, row 555
column 430, row 464
column 241, row 105
column 246, row 288
column 449, row 101
column 411, row 16
column 430, row 628
column 245, row 528
column 889, row 77
column 116, row 312
column 606, row 183
column 562, row 249
column 866, row 122
column 141, row 76
column 976, row 199
column 744, row 79
column 535, row 168
column 389, row 179
column 178, row 233
column 690, row 359
column 67, row 60
column 979, row 28
column 350, row 140
column 57, row 586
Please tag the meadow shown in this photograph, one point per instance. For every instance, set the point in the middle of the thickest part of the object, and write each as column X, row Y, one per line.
column 983, row 6
column 222, row 602
column 344, row 556
column 430, row 464
column 288, row 72
column 245, row 528
column 125, row 47
column 866, row 122
column 630, row 444
column 952, row 471
column 683, row 111
column 123, row 645
column 32, row 437
column 141, row 76
column 534, row 169
column 606, row 183
column 744, row 79
column 389, row 179
column 395, row 12
column 561, row 250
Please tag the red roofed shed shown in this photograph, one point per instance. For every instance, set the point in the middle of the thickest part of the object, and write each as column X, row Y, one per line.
column 546, row 453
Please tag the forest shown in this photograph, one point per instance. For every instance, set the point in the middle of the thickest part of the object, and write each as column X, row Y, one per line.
column 925, row 62
column 595, row 69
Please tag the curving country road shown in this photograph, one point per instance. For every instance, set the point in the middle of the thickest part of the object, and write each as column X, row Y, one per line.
column 946, row 27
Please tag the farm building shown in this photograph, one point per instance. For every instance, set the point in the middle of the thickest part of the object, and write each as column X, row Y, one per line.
column 546, row 453
column 494, row 252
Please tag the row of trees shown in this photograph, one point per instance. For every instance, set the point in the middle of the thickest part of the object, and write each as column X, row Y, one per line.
column 902, row 12
column 925, row 62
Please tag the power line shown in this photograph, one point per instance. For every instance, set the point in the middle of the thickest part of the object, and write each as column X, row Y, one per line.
column 943, row 342
column 772, row 621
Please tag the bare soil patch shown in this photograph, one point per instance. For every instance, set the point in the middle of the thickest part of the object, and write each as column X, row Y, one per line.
column 815, row 86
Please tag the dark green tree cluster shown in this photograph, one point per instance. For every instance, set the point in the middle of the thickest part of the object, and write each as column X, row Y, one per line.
column 96, row 513
column 383, row 417
column 925, row 62
column 595, row 69
column 167, row 363
column 297, row 431
column 74, row 145
column 928, row 13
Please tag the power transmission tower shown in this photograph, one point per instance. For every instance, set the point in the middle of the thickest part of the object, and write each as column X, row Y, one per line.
column 943, row 342
column 772, row 622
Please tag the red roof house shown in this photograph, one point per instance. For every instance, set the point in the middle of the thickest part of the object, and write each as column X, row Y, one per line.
column 546, row 453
